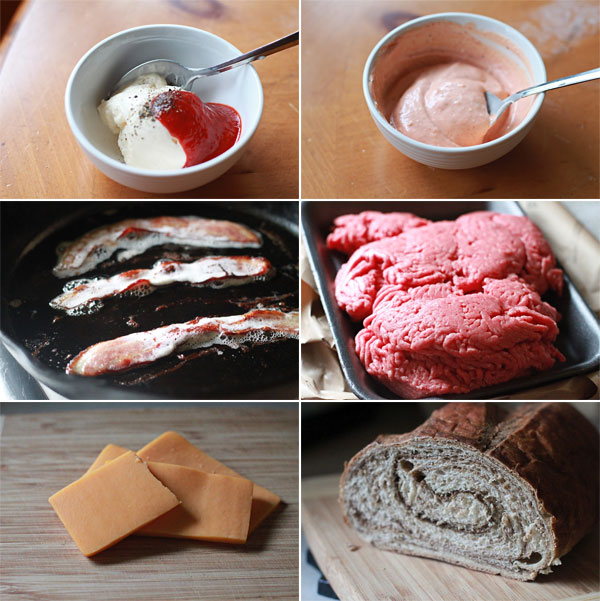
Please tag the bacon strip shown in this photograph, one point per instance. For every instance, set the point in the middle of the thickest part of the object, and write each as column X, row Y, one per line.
column 219, row 272
column 133, row 350
column 135, row 236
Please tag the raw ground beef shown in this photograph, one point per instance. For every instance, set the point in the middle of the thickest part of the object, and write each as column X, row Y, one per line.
column 453, row 306
column 462, row 252
column 352, row 231
column 540, row 268
column 460, row 342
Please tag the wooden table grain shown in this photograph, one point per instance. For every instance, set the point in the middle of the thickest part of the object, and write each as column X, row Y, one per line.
column 41, row 453
column 39, row 155
column 359, row 572
column 345, row 156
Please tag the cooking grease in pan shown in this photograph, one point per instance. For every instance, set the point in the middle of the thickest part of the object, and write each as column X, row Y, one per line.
column 55, row 338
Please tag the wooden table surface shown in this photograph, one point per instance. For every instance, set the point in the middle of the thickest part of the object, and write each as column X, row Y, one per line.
column 359, row 572
column 42, row 453
column 345, row 156
column 39, row 155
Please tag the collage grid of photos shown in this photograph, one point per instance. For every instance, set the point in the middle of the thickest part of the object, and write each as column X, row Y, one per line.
column 300, row 300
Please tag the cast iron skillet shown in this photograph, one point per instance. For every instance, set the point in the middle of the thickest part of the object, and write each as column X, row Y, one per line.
column 43, row 340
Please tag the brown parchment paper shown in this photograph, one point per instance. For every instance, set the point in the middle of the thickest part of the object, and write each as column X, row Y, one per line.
column 578, row 252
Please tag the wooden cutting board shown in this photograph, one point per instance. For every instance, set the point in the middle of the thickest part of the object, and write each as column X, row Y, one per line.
column 42, row 453
column 359, row 572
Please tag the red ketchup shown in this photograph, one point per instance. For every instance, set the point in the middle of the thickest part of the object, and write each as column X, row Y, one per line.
column 204, row 129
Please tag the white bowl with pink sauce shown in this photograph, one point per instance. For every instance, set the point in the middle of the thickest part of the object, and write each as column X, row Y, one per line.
column 420, row 46
column 102, row 66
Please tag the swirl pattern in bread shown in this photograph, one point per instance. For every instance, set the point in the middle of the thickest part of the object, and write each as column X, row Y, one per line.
column 502, row 493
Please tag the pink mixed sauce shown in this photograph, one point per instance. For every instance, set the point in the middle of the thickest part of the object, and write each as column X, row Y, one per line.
column 430, row 83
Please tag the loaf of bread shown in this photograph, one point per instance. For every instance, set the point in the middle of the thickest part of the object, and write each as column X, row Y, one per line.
column 504, row 493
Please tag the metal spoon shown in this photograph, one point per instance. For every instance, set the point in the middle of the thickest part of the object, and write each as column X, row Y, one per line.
column 178, row 75
column 496, row 107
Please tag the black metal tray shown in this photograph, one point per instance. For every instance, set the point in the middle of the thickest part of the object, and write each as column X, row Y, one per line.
column 42, row 340
column 579, row 336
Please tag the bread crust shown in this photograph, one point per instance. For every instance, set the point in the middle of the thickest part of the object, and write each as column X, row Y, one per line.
column 551, row 447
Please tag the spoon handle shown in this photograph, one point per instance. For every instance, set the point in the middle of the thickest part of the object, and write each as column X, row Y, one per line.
column 558, row 83
column 286, row 42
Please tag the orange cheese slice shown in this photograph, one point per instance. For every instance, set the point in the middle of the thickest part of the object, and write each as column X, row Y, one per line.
column 108, row 504
column 171, row 447
column 108, row 453
column 213, row 507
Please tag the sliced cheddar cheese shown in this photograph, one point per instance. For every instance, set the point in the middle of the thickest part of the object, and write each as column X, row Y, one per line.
column 171, row 447
column 108, row 453
column 213, row 507
column 108, row 504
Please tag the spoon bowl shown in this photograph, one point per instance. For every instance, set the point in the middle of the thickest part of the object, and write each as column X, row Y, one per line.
column 176, row 74
column 173, row 72
column 496, row 106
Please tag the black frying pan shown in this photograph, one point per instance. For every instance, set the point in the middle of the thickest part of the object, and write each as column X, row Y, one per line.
column 43, row 340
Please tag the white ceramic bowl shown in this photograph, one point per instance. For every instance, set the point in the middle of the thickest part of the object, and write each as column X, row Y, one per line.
column 96, row 73
column 469, row 156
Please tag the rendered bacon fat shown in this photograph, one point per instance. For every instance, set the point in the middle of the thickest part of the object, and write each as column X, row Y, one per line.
column 136, row 349
column 209, row 271
column 134, row 236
